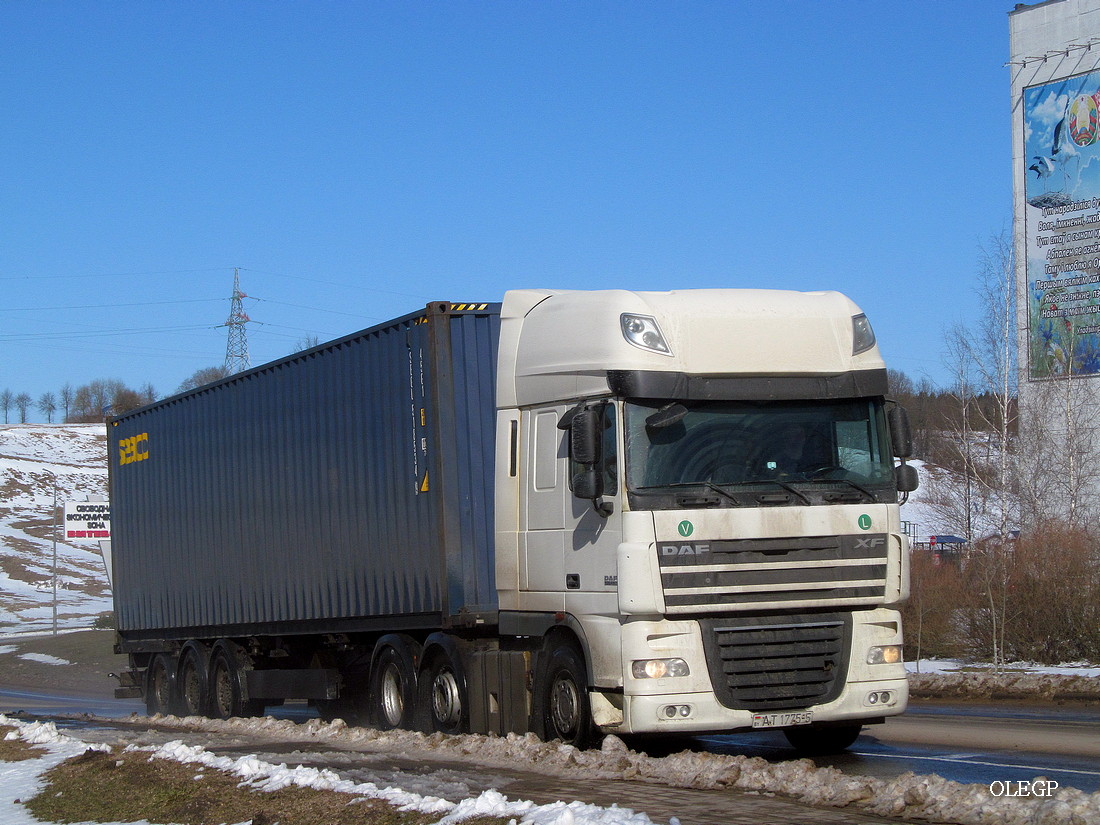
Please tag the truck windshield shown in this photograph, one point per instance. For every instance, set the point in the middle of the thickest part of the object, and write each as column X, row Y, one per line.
column 732, row 452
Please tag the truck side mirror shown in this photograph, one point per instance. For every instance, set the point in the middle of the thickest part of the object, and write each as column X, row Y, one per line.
column 586, row 450
column 905, row 475
column 588, row 484
column 901, row 437
column 584, row 435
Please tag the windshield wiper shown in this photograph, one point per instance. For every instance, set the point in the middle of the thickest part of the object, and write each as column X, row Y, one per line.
column 710, row 485
column 790, row 488
column 870, row 495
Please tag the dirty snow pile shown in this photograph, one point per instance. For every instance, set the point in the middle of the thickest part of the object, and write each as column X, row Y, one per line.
column 953, row 679
column 37, row 461
column 20, row 780
column 911, row 796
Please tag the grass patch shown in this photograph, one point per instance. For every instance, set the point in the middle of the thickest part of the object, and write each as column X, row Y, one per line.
column 111, row 787
column 16, row 750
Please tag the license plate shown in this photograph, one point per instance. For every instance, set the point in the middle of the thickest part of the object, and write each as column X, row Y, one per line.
column 782, row 720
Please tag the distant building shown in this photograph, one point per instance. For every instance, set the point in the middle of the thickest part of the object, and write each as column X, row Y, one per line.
column 1055, row 76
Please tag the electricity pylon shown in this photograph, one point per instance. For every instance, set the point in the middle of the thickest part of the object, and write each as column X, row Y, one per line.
column 236, row 348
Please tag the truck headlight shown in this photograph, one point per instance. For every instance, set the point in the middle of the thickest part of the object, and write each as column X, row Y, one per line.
column 642, row 331
column 863, row 337
column 659, row 668
column 884, row 655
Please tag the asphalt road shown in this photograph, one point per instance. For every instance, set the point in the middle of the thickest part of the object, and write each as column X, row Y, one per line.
column 976, row 744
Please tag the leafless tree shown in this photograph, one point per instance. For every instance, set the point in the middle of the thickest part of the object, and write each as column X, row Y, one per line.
column 66, row 399
column 982, row 357
column 47, row 405
column 308, row 342
column 97, row 399
column 206, row 375
column 23, row 403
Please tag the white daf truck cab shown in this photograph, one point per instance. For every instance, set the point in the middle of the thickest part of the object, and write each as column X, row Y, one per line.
column 697, row 492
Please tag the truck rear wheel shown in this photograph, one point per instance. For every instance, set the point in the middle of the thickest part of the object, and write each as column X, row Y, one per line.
column 812, row 740
column 159, row 684
column 563, row 705
column 392, row 693
column 228, row 688
column 442, row 695
column 192, row 681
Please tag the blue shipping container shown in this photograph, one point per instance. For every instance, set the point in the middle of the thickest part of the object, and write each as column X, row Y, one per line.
column 348, row 487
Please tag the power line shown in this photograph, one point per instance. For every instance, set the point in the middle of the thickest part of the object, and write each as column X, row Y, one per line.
column 111, row 306
column 334, row 283
column 37, row 336
column 107, row 274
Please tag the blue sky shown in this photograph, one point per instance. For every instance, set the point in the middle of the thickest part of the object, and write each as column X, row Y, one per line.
column 357, row 160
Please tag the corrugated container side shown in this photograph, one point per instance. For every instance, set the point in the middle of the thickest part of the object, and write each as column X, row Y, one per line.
column 348, row 487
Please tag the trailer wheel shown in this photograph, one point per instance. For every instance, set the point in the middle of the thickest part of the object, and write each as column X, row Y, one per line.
column 192, row 681
column 811, row 740
column 442, row 695
column 158, row 684
column 228, row 688
column 392, row 693
column 563, row 704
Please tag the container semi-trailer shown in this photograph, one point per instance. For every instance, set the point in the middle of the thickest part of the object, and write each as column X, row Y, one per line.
column 570, row 513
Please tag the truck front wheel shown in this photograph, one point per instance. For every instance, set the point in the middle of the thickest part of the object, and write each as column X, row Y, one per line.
column 563, row 704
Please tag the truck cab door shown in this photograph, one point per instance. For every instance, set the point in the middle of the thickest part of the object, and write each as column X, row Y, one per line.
column 566, row 545
column 542, row 527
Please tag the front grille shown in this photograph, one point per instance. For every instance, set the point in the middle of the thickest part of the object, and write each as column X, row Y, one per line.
column 774, row 573
column 763, row 663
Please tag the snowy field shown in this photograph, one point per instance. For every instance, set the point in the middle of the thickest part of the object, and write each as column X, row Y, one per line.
column 37, row 462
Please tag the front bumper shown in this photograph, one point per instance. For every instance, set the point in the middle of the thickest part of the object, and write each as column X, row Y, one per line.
column 690, row 705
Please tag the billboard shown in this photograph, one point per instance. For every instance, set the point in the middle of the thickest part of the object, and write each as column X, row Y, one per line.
column 1062, row 225
column 87, row 520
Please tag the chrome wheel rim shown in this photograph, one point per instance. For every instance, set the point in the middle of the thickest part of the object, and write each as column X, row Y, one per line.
column 393, row 702
column 564, row 706
column 446, row 702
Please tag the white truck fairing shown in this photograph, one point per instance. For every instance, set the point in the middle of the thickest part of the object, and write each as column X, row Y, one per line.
column 556, row 345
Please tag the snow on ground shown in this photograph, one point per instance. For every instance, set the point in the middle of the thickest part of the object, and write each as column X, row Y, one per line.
column 950, row 678
column 929, row 798
column 44, row 658
column 920, row 512
column 37, row 460
column 967, row 669
column 21, row 780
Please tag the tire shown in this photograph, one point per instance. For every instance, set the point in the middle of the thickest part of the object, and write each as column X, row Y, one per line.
column 228, row 689
column 810, row 740
column 160, row 685
column 392, row 695
column 192, row 681
column 563, row 704
column 441, row 695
